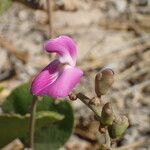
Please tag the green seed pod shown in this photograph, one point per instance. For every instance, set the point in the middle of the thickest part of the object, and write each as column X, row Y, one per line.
column 118, row 128
column 103, row 81
column 107, row 114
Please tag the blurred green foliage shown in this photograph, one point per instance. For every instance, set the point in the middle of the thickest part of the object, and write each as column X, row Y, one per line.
column 52, row 132
column 14, row 125
column 4, row 4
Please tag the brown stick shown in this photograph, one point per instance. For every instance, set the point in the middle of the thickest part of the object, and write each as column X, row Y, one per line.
column 49, row 12
column 132, row 145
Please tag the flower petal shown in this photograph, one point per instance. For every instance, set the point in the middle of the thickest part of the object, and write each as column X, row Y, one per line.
column 65, row 47
column 64, row 84
column 56, row 80
column 46, row 77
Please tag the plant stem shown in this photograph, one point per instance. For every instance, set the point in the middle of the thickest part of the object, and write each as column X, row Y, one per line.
column 107, row 139
column 32, row 122
column 96, row 109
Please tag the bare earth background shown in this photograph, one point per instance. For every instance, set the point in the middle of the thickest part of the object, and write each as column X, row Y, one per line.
column 110, row 33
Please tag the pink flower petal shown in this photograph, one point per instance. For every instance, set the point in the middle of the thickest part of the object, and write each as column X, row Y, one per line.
column 64, row 83
column 46, row 77
column 65, row 47
column 56, row 80
column 60, row 76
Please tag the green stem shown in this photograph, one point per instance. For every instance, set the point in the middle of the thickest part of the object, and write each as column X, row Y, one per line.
column 32, row 122
column 107, row 139
column 96, row 109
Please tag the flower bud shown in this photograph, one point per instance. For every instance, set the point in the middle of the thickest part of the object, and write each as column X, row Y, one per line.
column 119, row 126
column 72, row 96
column 103, row 81
column 107, row 114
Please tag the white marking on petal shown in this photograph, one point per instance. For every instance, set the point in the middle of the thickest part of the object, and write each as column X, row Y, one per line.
column 66, row 59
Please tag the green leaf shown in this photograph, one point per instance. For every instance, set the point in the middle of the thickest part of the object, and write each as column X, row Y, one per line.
column 16, row 126
column 20, row 99
column 55, row 135
column 4, row 4
column 52, row 136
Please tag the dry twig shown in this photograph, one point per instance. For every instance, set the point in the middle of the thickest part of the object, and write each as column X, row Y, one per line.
column 132, row 145
column 49, row 12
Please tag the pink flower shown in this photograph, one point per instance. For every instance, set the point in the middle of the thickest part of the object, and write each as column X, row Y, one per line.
column 59, row 77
